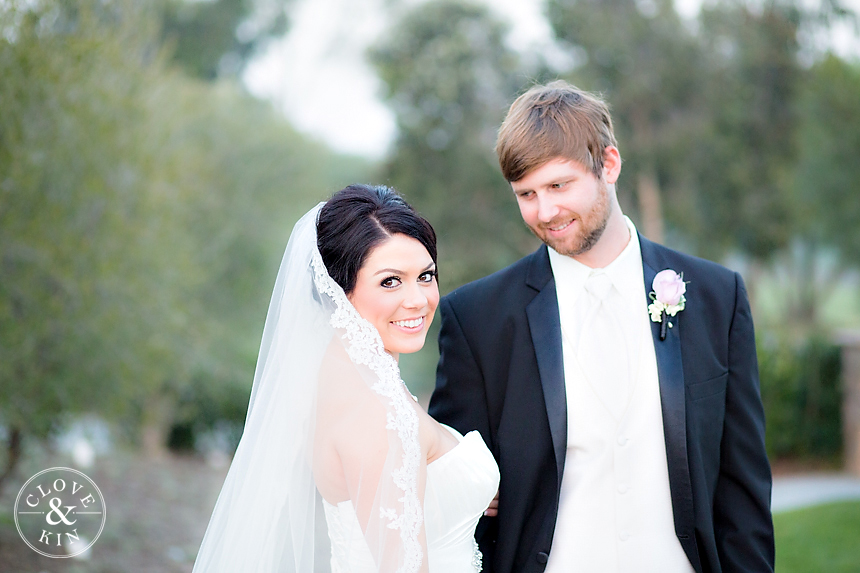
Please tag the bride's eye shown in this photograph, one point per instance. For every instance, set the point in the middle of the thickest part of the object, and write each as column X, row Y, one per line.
column 390, row 282
column 427, row 276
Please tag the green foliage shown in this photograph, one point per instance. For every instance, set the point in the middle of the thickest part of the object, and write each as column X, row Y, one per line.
column 449, row 78
column 212, row 405
column 828, row 173
column 77, row 215
column 743, row 163
column 822, row 538
column 216, row 37
column 142, row 218
column 800, row 389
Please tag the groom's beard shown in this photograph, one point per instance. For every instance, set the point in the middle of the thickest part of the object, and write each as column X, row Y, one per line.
column 591, row 227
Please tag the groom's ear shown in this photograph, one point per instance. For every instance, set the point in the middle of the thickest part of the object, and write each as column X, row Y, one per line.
column 611, row 164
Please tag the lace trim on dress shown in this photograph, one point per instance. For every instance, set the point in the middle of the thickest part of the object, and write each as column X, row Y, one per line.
column 364, row 346
column 477, row 556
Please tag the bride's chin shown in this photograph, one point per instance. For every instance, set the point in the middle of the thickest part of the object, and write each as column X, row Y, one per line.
column 408, row 346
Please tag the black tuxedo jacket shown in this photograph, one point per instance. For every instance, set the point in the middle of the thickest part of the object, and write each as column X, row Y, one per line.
column 501, row 372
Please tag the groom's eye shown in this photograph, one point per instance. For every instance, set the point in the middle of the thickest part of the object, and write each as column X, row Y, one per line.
column 390, row 282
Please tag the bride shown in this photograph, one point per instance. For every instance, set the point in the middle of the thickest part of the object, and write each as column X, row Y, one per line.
column 339, row 469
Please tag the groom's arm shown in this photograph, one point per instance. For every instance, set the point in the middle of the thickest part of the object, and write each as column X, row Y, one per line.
column 743, row 525
column 460, row 398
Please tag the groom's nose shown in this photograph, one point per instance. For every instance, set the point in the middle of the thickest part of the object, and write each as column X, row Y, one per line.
column 547, row 208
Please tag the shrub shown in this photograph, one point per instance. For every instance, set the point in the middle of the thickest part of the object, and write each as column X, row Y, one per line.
column 800, row 388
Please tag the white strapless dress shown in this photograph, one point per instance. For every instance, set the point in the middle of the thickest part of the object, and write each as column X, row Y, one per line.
column 460, row 486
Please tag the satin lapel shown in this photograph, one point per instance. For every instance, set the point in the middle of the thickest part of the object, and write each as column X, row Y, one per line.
column 671, row 375
column 545, row 326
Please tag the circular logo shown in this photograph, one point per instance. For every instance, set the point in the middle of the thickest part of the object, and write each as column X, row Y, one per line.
column 60, row 512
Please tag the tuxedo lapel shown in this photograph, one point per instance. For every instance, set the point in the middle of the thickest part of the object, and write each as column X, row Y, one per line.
column 545, row 327
column 671, row 376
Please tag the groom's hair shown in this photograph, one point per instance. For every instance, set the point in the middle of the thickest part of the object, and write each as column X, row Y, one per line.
column 550, row 121
column 357, row 219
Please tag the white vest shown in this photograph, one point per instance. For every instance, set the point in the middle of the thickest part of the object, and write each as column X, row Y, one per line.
column 615, row 509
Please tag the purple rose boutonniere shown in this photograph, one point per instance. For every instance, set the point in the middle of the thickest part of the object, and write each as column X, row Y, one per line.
column 668, row 296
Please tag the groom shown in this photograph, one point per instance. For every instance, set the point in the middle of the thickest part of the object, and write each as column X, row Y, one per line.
column 624, row 412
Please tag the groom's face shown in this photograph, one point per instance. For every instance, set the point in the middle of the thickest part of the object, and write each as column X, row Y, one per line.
column 564, row 205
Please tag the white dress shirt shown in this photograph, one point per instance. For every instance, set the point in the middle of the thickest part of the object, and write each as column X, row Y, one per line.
column 615, row 509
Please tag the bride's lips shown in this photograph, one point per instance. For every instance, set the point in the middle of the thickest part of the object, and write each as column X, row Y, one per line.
column 409, row 325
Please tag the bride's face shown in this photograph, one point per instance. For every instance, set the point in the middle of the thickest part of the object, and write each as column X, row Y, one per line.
column 397, row 292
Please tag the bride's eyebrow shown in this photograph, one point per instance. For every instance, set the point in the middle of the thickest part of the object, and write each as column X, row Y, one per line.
column 399, row 272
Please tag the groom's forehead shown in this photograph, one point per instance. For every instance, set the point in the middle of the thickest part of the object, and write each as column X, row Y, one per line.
column 557, row 167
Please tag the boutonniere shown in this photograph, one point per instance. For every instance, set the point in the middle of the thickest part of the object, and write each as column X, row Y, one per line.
column 668, row 296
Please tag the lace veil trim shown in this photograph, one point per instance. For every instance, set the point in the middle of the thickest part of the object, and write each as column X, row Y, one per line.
column 364, row 346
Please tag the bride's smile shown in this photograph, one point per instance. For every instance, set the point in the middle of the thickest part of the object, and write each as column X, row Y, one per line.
column 411, row 326
column 397, row 292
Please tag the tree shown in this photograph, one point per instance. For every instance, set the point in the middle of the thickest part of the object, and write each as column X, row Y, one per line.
column 827, row 173
column 742, row 164
column 450, row 78
column 648, row 65
column 825, row 183
column 142, row 218
column 85, row 242
column 217, row 37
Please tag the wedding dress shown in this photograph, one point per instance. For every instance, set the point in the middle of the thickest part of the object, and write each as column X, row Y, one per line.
column 460, row 486
column 270, row 516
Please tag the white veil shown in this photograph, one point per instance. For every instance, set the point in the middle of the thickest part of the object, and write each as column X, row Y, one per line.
column 269, row 516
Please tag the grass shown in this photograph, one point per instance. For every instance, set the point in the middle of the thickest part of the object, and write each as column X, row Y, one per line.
column 824, row 538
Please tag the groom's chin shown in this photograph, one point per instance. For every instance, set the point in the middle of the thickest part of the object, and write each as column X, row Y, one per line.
column 560, row 245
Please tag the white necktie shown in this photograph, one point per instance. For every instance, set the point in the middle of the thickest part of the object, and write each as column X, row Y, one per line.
column 603, row 352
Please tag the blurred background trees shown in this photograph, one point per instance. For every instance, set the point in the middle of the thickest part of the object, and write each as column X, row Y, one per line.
column 143, row 213
column 145, row 197
column 217, row 37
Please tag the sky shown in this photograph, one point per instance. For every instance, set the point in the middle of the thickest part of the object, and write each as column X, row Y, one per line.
column 318, row 77
column 317, row 74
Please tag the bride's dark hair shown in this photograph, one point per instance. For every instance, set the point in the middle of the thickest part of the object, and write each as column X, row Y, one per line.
column 358, row 218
